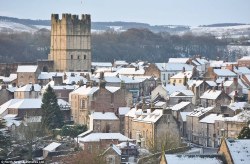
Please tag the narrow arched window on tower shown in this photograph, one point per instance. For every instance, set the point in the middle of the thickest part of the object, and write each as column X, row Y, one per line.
column 84, row 57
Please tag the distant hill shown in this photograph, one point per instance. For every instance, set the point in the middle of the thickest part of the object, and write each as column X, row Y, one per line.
column 15, row 24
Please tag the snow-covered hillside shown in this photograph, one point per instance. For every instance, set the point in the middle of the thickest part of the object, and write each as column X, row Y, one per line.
column 7, row 26
column 226, row 31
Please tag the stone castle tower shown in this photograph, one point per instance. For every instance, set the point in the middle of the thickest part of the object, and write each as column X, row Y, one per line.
column 70, row 43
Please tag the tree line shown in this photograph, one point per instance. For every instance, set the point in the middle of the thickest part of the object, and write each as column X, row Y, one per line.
column 131, row 45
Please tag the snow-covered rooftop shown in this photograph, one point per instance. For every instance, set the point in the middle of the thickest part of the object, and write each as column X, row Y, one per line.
column 180, row 105
column 52, row 147
column 130, row 71
column 176, row 67
column 95, row 137
column 103, row 116
column 210, row 119
column 173, row 88
column 101, row 64
column 239, row 150
column 185, row 159
column 211, row 94
column 182, row 75
column 215, row 63
column 178, row 60
column 200, row 111
column 27, row 68
column 237, row 105
column 182, row 93
column 28, row 88
column 242, row 70
column 224, row 73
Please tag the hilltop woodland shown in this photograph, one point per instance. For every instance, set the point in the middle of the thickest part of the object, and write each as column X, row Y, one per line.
column 130, row 45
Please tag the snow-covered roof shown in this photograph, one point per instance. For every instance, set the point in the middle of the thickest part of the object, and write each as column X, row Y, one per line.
column 211, row 94
column 202, row 61
column 103, row 116
column 182, row 93
column 129, row 80
column 242, row 70
column 130, row 71
column 115, row 148
column 101, row 64
column 154, row 116
column 25, row 103
column 215, row 63
column 96, row 137
column 176, row 67
column 28, row 87
column 125, row 144
column 194, row 82
column 237, row 105
column 160, row 104
column 85, row 90
column 131, row 113
column 241, row 117
column 27, row 68
column 180, row 105
column 9, row 79
column 173, row 88
column 112, row 79
column 178, row 60
column 211, row 83
column 182, row 75
column 200, row 111
column 224, row 73
column 123, row 110
column 210, row 119
column 227, row 83
column 239, row 150
column 74, row 79
column 52, row 147
column 196, row 63
column 185, row 159
column 245, row 58
column 49, row 75
column 184, row 115
column 120, row 62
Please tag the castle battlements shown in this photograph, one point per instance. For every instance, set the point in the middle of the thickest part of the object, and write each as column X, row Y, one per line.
column 71, row 18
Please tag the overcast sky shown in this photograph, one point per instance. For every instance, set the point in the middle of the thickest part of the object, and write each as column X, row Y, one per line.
column 154, row 12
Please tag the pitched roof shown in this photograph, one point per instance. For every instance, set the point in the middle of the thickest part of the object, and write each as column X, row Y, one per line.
column 28, row 88
column 181, row 75
column 211, row 94
column 52, row 146
column 123, row 110
column 180, row 105
column 95, row 137
column 27, row 68
column 224, row 72
column 103, row 116
column 200, row 111
column 178, row 60
column 210, row 119
column 239, row 150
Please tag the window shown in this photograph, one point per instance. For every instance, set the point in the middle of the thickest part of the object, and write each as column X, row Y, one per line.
column 82, row 104
column 71, row 56
column 78, row 57
column 84, row 57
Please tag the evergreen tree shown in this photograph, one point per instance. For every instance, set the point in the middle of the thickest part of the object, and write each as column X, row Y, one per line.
column 5, row 141
column 244, row 133
column 51, row 113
